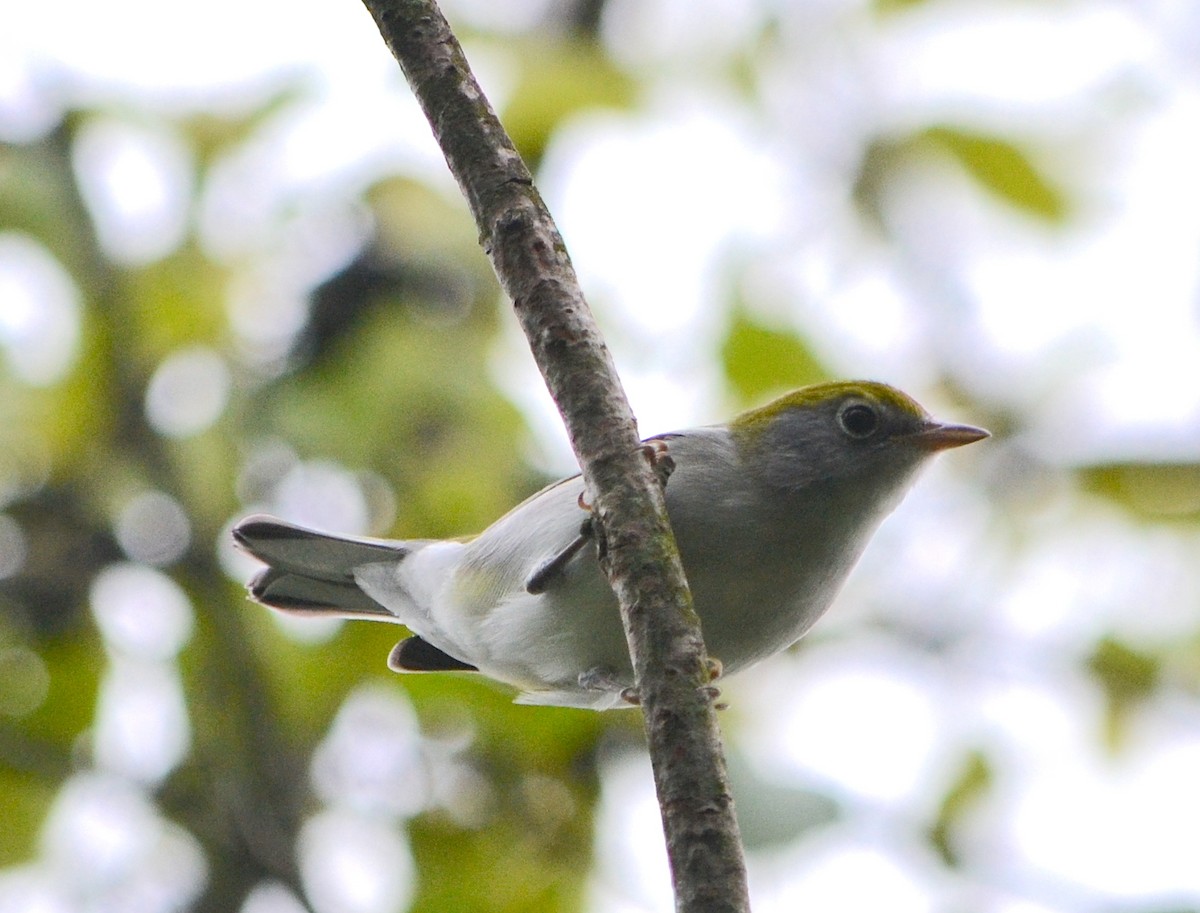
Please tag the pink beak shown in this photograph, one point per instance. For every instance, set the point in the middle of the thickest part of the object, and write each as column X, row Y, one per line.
column 935, row 436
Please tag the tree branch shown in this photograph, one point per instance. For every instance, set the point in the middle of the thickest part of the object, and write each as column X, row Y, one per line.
column 531, row 262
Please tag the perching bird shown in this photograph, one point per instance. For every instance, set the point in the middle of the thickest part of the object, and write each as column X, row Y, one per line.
column 770, row 511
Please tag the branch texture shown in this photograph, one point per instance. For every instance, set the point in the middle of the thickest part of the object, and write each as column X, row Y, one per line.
column 533, row 267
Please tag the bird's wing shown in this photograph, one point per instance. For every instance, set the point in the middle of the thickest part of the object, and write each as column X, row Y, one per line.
column 528, row 550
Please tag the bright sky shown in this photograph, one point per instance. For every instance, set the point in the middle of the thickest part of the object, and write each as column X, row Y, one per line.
column 1094, row 330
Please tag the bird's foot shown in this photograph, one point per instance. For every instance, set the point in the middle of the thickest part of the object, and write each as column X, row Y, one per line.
column 600, row 678
column 604, row 679
column 658, row 454
column 711, row 693
column 714, row 668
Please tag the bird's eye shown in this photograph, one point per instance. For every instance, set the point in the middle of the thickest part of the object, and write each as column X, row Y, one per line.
column 858, row 420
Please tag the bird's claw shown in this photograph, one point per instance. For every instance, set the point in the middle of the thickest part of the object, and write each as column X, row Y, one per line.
column 601, row 679
column 658, row 454
column 714, row 668
column 711, row 693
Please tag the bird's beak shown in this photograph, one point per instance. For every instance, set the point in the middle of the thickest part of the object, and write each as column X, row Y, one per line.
column 936, row 436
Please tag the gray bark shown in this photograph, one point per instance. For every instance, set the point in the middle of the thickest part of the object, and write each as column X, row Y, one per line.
column 642, row 562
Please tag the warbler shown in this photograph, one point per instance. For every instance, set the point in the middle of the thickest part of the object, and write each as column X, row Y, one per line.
column 770, row 511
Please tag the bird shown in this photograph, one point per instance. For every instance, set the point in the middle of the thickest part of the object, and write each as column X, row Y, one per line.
column 770, row 511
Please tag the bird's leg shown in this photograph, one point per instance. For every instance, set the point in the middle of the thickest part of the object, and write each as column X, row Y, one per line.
column 600, row 678
column 657, row 453
column 544, row 574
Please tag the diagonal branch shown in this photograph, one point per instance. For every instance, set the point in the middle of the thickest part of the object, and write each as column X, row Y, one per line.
column 531, row 261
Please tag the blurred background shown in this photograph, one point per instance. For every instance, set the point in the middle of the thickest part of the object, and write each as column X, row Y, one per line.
column 235, row 276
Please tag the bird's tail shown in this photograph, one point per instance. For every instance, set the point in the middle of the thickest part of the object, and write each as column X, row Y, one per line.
column 312, row 573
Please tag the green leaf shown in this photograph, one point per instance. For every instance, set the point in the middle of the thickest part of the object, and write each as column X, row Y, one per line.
column 759, row 360
column 70, row 699
column 973, row 782
column 1127, row 677
column 513, row 864
column 24, row 801
column 997, row 164
column 886, row 7
column 1124, row 673
column 1002, row 168
column 1154, row 491
column 211, row 134
column 556, row 81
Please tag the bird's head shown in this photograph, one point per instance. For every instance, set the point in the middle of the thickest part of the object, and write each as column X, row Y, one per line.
column 847, row 433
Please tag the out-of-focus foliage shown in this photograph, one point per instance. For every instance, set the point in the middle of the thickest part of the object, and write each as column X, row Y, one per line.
column 999, row 165
column 332, row 348
column 964, row 794
column 558, row 80
column 1128, row 677
column 1155, row 491
column 376, row 411
column 761, row 360
column 774, row 814
column 1003, row 168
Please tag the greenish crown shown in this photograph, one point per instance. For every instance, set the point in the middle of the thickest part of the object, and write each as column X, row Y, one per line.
column 754, row 421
